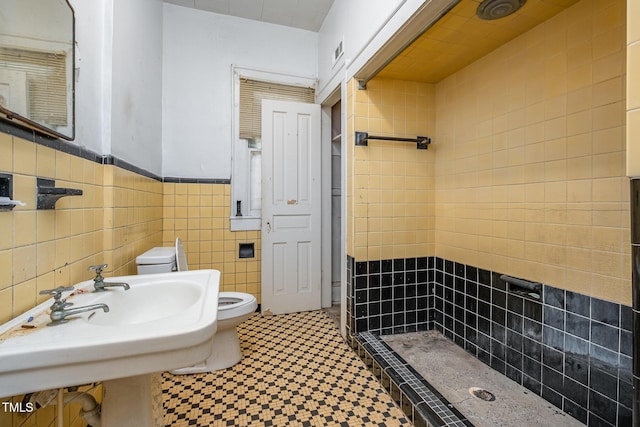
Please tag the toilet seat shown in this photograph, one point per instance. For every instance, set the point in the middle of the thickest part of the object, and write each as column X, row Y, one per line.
column 235, row 304
column 230, row 304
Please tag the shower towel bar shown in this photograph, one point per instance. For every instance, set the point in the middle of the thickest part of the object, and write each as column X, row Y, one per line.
column 422, row 142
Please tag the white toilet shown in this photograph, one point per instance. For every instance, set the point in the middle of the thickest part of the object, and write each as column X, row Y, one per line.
column 157, row 260
column 233, row 309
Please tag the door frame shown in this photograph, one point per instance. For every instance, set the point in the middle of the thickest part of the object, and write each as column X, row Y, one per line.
column 339, row 93
column 299, row 80
column 310, row 209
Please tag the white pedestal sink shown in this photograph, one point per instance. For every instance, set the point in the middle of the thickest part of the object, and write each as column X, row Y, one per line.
column 163, row 322
column 133, row 401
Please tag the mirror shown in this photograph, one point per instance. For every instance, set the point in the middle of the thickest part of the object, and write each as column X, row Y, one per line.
column 36, row 65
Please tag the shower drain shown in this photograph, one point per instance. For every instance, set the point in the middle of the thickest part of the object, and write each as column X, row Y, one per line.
column 482, row 394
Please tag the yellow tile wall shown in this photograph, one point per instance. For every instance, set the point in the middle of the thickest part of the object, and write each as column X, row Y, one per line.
column 198, row 213
column 390, row 185
column 133, row 207
column 633, row 89
column 118, row 216
column 530, row 168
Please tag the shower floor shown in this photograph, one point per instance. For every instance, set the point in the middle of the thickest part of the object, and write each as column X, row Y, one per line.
column 452, row 371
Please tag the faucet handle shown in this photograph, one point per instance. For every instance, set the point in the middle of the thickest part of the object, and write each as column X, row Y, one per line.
column 98, row 268
column 57, row 292
column 58, row 302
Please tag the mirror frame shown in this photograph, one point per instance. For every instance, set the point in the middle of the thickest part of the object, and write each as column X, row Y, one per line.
column 15, row 118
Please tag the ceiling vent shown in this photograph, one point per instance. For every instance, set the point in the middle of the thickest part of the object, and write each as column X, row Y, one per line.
column 337, row 52
column 496, row 9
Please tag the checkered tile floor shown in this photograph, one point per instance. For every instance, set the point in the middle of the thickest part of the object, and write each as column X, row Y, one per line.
column 296, row 371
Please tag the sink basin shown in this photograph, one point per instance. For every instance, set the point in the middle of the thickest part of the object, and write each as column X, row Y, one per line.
column 171, row 304
column 165, row 321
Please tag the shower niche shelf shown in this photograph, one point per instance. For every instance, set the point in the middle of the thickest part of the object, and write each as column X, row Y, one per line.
column 49, row 194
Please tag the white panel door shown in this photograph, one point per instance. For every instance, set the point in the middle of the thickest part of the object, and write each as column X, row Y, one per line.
column 291, row 208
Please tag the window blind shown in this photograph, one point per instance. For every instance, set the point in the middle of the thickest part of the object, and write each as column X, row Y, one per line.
column 252, row 92
column 46, row 82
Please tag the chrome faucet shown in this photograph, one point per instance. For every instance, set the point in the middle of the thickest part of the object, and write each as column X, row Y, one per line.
column 59, row 311
column 99, row 283
column 60, row 316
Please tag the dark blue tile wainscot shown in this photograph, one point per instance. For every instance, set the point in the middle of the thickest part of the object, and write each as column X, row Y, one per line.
column 574, row 350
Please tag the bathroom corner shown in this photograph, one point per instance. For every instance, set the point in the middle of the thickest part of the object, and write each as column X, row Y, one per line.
column 197, row 211
column 633, row 172
column 635, row 260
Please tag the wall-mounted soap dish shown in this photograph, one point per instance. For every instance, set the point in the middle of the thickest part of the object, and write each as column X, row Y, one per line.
column 6, row 192
column 523, row 287
column 48, row 193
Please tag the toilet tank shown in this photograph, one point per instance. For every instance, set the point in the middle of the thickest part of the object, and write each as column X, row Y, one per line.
column 157, row 260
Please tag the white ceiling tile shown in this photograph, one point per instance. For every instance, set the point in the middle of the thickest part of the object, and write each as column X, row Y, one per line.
column 310, row 14
column 279, row 11
column 185, row 3
column 250, row 9
column 274, row 7
column 217, row 6
column 305, row 14
column 311, row 23
column 314, row 7
column 279, row 20
column 310, row 18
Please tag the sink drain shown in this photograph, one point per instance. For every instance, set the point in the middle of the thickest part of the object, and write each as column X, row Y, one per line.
column 482, row 394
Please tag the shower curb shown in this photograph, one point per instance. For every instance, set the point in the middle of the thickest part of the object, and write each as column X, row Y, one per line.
column 419, row 400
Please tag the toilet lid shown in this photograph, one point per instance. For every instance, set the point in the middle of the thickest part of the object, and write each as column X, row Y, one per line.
column 181, row 257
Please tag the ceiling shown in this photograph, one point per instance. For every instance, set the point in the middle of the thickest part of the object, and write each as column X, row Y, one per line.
column 453, row 42
column 460, row 37
column 304, row 14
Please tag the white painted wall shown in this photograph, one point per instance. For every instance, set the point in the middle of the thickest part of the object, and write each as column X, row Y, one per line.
column 94, row 20
column 365, row 26
column 357, row 21
column 153, row 80
column 199, row 50
column 136, row 101
column 119, row 79
column 134, row 56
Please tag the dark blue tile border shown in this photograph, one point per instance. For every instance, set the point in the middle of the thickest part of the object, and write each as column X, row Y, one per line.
column 195, row 180
column 416, row 396
column 78, row 151
column 122, row 164
column 51, row 142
